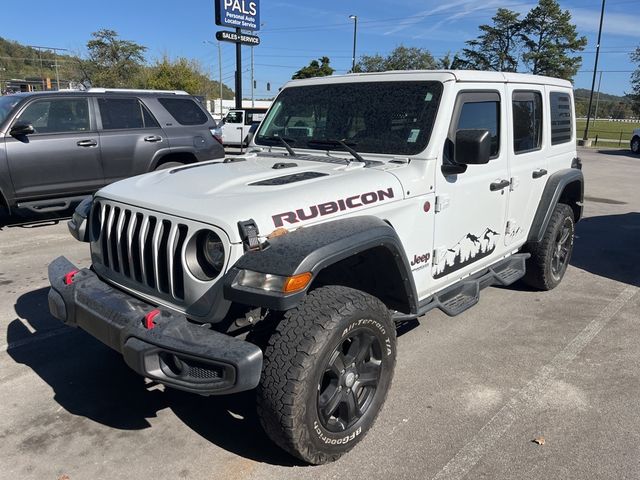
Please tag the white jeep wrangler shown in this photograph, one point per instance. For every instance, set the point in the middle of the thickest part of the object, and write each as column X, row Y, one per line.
column 364, row 200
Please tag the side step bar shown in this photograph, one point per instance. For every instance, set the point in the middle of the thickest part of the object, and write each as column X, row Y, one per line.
column 51, row 205
column 465, row 294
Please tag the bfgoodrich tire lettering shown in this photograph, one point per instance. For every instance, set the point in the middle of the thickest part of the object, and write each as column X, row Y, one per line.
column 336, row 329
column 550, row 257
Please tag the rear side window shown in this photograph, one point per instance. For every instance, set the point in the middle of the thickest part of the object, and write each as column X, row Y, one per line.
column 561, row 123
column 184, row 110
column 527, row 121
column 57, row 115
column 125, row 113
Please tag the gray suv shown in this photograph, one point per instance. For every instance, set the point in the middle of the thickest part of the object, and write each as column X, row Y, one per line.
column 57, row 147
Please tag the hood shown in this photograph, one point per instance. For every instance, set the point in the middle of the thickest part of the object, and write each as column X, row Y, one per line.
column 272, row 189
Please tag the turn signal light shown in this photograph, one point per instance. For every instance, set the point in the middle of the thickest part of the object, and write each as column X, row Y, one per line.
column 273, row 283
column 297, row 282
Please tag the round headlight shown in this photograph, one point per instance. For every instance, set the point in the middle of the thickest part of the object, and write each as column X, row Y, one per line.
column 213, row 250
column 205, row 255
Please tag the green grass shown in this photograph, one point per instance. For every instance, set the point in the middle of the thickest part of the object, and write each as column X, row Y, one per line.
column 607, row 129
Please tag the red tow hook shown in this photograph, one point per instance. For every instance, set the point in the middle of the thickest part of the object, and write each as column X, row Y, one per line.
column 68, row 278
column 148, row 319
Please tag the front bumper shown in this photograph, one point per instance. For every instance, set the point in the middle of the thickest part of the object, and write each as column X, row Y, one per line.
column 173, row 351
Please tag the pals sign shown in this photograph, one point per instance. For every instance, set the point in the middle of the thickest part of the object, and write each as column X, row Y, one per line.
column 244, row 14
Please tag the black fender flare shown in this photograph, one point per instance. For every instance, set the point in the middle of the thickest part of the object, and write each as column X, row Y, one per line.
column 551, row 195
column 312, row 249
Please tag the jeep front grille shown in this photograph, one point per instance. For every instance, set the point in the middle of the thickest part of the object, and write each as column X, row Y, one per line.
column 145, row 252
column 142, row 247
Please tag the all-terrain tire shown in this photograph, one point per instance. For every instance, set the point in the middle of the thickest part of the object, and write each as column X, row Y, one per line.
column 551, row 256
column 301, row 379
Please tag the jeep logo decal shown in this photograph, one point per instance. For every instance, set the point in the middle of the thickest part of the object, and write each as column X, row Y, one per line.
column 328, row 208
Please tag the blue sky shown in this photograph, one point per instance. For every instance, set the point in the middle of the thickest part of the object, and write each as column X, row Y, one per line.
column 296, row 32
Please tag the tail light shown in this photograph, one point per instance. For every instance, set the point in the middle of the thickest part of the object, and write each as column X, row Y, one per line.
column 216, row 133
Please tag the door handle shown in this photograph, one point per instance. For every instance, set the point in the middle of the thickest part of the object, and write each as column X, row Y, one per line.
column 153, row 138
column 499, row 185
column 87, row 143
column 541, row 172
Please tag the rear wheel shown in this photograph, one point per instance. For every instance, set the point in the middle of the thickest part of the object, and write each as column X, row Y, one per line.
column 550, row 257
column 327, row 369
column 165, row 166
column 635, row 144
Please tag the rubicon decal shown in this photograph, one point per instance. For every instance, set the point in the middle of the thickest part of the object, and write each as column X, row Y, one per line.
column 327, row 208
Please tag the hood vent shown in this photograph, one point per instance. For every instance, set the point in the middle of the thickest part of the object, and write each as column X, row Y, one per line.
column 295, row 177
column 279, row 165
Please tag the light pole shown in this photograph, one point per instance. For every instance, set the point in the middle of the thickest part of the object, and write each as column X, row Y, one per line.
column 55, row 52
column 252, row 89
column 593, row 81
column 355, row 33
column 595, row 116
column 219, row 71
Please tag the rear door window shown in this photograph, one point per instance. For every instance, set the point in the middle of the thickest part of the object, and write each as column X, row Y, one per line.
column 184, row 110
column 527, row 121
column 125, row 113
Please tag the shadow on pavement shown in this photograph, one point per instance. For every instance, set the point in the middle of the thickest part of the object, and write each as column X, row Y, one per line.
column 91, row 380
column 608, row 246
column 622, row 152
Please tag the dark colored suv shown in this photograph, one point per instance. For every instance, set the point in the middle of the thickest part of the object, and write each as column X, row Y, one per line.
column 56, row 147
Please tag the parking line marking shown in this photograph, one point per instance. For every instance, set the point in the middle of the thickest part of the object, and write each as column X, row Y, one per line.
column 469, row 455
column 34, row 338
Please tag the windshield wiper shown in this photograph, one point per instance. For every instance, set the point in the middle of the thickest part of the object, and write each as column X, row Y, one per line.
column 342, row 143
column 283, row 140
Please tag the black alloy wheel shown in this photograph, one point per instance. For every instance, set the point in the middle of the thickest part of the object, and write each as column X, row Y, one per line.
column 562, row 249
column 350, row 380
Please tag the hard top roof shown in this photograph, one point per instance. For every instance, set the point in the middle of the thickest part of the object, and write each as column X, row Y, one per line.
column 438, row 75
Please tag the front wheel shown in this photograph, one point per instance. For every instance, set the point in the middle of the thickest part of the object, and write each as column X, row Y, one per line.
column 327, row 369
column 635, row 144
column 550, row 257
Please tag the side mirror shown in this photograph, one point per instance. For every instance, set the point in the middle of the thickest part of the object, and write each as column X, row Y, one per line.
column 22, row 129
column 473, row 147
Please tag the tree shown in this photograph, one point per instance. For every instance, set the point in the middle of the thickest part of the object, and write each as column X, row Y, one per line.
column 449, row 62
column 548, row 38
column 315, row 69
column 112, row 62
column 178, row 74
column 497, row 47
column 635, row 82
column 401, row 58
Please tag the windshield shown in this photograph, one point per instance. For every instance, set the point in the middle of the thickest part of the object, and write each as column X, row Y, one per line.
column 7, row 103
column 373, row 117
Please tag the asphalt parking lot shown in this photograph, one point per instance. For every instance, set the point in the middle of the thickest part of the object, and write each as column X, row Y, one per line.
column 470, row 393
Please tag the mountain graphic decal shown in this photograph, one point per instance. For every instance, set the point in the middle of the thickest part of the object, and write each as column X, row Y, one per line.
column 469, row 249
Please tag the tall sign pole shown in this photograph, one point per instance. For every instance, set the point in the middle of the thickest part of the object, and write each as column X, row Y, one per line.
column 240, row 15
column 238, row 71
